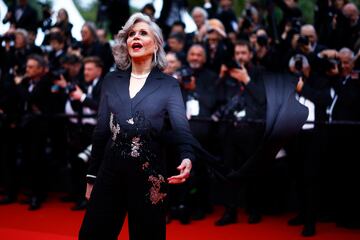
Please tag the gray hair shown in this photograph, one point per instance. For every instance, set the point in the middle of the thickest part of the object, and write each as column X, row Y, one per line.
column 200, row 10
column 120, row 51
column 348, row 52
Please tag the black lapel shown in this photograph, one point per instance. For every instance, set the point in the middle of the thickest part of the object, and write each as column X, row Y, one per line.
column 152, row 83
column 122, row 85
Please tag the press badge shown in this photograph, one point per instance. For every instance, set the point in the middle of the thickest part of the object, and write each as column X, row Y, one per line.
column 192, row 108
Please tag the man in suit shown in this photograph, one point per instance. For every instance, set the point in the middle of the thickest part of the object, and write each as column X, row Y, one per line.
column 241, row 86
column 83, row 100
column 22, row 15
column 345, row 107
column 198, row 92
column 34, row 93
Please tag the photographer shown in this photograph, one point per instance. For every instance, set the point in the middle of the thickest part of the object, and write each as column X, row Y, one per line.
column 15, row 52
column 57, row 43
column 343, row 149
column 83, row 99
column 34, row 92
column 243, row 99
column 198, row 88
column 22, row 15
column 265, row 54
column 307, row 158
column 216, row 45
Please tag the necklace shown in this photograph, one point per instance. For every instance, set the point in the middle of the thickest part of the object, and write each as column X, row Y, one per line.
column 139, row 76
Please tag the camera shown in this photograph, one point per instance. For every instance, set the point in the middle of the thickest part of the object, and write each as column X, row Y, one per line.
column 262, row 40
column 85, row 155
column 185, row 74
column 303, row 40
column 296, row 24
column 236, row 103
column 7, row 38
column 299, row 61
column 330, row 64
column 57, row 73
column 231, row 63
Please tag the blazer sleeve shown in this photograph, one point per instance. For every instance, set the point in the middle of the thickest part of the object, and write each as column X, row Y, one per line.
column 101, row 134
column 179, row 122
column 91, row 103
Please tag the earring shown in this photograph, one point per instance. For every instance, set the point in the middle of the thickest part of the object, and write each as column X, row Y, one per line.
column 155, row 56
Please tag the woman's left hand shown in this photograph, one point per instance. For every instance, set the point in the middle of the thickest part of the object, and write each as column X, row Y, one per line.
column 184, row 168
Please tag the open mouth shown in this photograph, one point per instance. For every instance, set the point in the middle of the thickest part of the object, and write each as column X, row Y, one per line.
column 136, row 46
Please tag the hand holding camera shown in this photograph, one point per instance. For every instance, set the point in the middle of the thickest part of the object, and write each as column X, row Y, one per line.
column 187, row 79
column 76, row 94
column 240, row 74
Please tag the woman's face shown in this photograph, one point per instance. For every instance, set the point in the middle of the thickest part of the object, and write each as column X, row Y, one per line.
column 86, row 34
column 61, row 15
column 141, row 42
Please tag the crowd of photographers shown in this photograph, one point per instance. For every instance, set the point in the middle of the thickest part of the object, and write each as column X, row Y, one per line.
column 49, row 97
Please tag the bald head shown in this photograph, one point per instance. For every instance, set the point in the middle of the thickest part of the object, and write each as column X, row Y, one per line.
column 346, row 57
column 309, row 31
column 196, row 56
column 351, row 11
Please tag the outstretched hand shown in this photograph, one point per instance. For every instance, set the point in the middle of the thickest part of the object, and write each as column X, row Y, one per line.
column 184, row 168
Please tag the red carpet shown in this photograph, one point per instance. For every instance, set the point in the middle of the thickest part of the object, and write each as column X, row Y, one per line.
column 56, row 222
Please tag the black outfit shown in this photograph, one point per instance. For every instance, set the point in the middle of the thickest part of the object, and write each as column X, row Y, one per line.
column 27, row 20
column 79, row 135
column 34, row 131
column 198, row 197
column 306, row 153
column 126, row 157
column 9, row 138
column 242, row 138
column 344, row 150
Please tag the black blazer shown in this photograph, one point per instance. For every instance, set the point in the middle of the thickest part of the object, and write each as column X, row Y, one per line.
column 159, row 96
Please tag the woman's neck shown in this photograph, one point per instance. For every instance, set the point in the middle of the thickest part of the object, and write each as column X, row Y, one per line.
column 141, row 67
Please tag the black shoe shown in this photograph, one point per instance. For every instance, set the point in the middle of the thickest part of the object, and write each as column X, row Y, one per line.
column 309, row 230
column 229, row 217
column 7, row 200
column 254, row 218
column 35, row 204
column 183, row 214
column 68, row 198
column 296, row 221
column 80, row 205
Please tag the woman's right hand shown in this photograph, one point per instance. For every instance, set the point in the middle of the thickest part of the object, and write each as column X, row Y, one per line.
column 89, row 188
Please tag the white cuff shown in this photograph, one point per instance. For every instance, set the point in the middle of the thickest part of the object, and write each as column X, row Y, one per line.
column 83, row 96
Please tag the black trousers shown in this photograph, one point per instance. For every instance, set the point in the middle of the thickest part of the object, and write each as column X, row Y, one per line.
column 9, row 172
column 304, row 166
column 239, row 144
column 122, row 189
column 79, row 138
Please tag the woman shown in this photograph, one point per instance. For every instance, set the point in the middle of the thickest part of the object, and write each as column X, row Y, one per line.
column 62, row 22
column 126, row 174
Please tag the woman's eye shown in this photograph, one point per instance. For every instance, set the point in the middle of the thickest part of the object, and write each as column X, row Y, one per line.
column 143, row 33
column 131, row 34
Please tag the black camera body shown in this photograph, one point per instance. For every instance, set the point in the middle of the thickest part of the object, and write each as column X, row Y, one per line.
column 7, row 38
column 57, row 73
column 262, row 40
column 236, row 103
column 185, row 74
column 303, row 40
column 231, row 63
column 330, row 63
column 298, row 63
